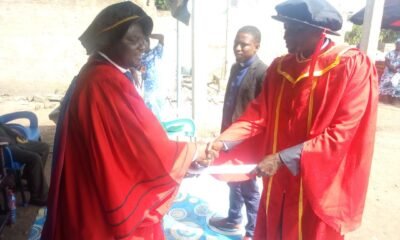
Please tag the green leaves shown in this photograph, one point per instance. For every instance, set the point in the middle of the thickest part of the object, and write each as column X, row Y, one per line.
column 161, row 5
column 354, row 36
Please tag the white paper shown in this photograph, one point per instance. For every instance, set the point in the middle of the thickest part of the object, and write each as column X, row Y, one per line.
column 229, row 169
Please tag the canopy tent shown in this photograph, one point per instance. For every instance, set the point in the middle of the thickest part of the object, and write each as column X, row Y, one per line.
column 390, row 19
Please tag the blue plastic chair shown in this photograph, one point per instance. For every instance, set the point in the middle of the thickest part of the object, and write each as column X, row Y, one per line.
column 180, row 127
column 15, row 168
column 31, row 132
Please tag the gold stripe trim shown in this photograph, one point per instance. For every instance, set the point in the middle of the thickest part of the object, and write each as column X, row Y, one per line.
column 275, row 143
column 309, row 122
column 268, row 195
column 301, row 210
column 119, row 23
column 309, row 59
column 276, row 124
column 316, row 73
column 311, row 104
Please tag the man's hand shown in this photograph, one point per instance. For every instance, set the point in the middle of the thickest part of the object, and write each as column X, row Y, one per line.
column 21, row 139
column 159, row 37
column 206, row 157
column 268, row 166
column 199, row 163
column 212, row 150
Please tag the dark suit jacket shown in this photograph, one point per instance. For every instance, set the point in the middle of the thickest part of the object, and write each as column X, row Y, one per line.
column 7, row 134
column 249, row 88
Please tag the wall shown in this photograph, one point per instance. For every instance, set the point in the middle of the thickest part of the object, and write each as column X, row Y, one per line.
column 40, row 52
column 39, row 48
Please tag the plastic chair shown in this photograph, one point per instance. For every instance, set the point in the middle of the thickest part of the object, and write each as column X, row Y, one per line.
column 31, row 132
column 180, row 127
column 15, row 168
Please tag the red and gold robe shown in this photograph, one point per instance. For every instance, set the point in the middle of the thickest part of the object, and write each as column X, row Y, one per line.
column 334, row 115
column 116, row 172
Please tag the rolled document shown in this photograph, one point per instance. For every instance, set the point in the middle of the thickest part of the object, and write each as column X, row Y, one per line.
column 228, row 169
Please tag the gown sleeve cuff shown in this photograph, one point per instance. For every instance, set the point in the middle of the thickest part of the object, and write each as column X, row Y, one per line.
column 228, row 145
column 291, row 158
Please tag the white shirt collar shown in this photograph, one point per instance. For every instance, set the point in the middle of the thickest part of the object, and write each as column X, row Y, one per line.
column 123, row 70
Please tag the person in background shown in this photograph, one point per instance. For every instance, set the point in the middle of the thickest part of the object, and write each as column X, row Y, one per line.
column 137, row 80
column 389, row 84
column 153, row 92
column 34, row 155
column 115, row 172
column 244, row 85
column 317, row 116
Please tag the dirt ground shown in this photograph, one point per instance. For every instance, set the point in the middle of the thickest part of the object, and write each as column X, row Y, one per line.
column 381, row 219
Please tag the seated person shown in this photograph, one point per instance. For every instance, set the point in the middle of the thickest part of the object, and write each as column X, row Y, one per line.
column 392, row 67
column 34, row 155
column 153, row 88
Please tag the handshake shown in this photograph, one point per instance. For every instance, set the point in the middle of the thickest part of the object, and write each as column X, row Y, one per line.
column 204, row 158
column 268, row 166
column 211, row 152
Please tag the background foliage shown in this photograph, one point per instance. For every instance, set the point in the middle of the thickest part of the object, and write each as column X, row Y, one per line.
column 161, row 5
column 354, row 36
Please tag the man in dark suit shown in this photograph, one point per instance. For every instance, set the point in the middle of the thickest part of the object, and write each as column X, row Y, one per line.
column 34, row 155
column 244, row 85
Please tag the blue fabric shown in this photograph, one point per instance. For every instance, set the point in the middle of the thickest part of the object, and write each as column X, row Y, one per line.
column 129, row 75
column 291, row 158
column 386, row 85
column 188, row 219
column 150, row 73
column 234, row 86
column 152, row 95
column 37, row 227
column 247, row 193
column 60, row 121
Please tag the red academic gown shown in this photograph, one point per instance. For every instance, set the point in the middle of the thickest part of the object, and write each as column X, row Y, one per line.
column 334, row 115
column 116, row 172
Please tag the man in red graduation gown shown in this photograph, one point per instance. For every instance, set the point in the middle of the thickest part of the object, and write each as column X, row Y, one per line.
column 317, row 116
column 115, row 172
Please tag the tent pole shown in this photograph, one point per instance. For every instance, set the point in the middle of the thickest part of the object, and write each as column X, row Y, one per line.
column 178, row 72
column 372, row 27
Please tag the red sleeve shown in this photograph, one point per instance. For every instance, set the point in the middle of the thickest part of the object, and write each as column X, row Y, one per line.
column 338, row 159
column 248, row 130
column 333, row 143
column 253, row 120
column 331, row 146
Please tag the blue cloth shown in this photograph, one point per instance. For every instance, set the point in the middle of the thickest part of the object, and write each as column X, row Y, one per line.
column 129, row 75
column 149, row 62
column 233, row 88
column 63, row 109
column 291, row 158
column 188, row 219
column 247, row 193
column 152, row 95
